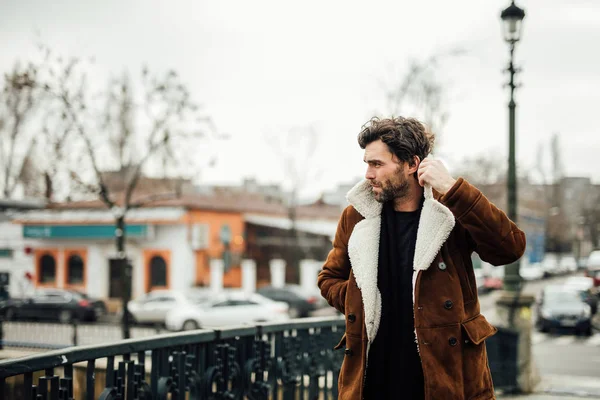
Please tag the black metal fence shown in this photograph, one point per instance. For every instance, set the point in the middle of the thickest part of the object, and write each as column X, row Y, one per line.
column 293, row 360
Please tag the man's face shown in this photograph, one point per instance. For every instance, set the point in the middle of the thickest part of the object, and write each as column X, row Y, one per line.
column 385, row 173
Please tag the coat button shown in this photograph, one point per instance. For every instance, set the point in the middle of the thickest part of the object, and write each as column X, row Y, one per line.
column 452, row 341
column 442, row 266
column 349, row 352
column 448, row 304
column 351, row 317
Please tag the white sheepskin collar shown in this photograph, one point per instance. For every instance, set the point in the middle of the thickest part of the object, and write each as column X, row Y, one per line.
column 435, row 225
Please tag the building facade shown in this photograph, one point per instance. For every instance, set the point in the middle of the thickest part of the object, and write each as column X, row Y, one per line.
column 168, row 247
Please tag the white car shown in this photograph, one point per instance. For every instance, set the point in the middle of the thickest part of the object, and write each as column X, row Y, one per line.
column 580, row 282
column 152, row 308
column 593, row 261
column 550, row 264
column 568, row 263
column 225, row 309
column 585, row 287
column 531, row 271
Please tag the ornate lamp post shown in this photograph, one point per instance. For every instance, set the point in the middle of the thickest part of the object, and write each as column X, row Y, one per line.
column 514, row 307
column 512, row 18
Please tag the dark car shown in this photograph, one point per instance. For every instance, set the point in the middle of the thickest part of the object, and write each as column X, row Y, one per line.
column 54, row 304
column 562, row 307
column 300, row 302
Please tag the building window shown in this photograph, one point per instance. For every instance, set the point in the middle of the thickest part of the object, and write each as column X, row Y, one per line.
column 75, row 268
column 156, row 266
column 158, row 272
column 47, row 269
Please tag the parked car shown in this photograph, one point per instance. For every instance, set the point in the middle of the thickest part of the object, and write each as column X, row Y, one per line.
column 550, row 264
column 593, row 260
column 582, row 263
column 561, row 307
column 226, row 308
column 592, row 269
column 300, row 302
column 582, row 282
column 595, row 275
column 494, row 280
column 152, row 308
column 568, row 263
column 54, row 304
column 586, row 289
column 531, row 271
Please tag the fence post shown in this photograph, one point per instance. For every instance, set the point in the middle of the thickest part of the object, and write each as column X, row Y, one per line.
column 1, row 332
column 75, row 332
column 277, row 267
column 249, row 276
column 309, row 271
column 216, row 274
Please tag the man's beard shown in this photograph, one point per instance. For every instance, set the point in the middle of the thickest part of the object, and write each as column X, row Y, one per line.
column 392, row 191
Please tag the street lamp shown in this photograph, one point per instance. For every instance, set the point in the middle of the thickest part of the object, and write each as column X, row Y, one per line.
column 512, row 17
column 514, row 306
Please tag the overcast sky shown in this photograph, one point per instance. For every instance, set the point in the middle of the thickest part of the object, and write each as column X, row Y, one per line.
column 266, row 66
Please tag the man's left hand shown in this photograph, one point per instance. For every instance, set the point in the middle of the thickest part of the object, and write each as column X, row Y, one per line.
column 435, row 174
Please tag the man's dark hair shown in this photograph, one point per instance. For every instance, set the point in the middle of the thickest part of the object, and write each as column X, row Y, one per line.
column 405, row 137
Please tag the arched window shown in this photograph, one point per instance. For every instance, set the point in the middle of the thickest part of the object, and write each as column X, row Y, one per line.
column 75, row 268
column 47, row 269
column 158, row 272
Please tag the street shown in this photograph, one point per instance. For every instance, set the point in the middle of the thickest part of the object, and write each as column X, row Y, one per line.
column 567, row 364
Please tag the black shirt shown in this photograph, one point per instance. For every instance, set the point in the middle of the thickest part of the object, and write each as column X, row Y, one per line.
column 394, row 367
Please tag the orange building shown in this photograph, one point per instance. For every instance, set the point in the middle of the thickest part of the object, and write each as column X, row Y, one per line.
column 169, row 243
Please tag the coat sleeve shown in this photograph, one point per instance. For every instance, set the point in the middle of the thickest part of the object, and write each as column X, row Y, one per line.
column 333, row 278
column 490, row 232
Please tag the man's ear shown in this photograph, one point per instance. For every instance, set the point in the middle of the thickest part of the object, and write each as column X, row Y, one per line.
column 415, row 167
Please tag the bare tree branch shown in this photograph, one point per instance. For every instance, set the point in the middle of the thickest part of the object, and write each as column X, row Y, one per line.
column 153, row 198
column 103, row 190
column 419, row 91
column 18, row 105
column 79, row 182
column 137, row 173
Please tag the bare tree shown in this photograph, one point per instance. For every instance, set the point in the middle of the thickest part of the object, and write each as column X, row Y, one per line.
column 538, row 170
column 591, row 220
column 18, row 106
column 295, row 149
column 127, row 132
column 558, row 232
column 418, row 90
column 483, row 169
column 557, row 164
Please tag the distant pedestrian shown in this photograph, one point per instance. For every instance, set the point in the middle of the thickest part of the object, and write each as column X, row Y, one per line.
column 400, row 270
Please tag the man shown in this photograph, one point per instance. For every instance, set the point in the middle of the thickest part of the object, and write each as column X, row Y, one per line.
column 400, row 271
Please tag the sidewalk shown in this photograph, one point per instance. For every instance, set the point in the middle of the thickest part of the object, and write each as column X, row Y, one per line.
column 555, row 387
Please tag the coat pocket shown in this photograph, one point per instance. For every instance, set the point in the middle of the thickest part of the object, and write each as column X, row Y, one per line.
column 478, row 329
column 477, row 378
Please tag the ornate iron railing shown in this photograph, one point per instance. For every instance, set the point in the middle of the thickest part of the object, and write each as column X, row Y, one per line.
column 292, row 360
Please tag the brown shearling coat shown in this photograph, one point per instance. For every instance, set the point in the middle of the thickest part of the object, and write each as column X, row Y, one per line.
column 449, row 327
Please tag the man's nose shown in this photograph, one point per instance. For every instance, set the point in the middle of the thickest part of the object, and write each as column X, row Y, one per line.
column 370, row 174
